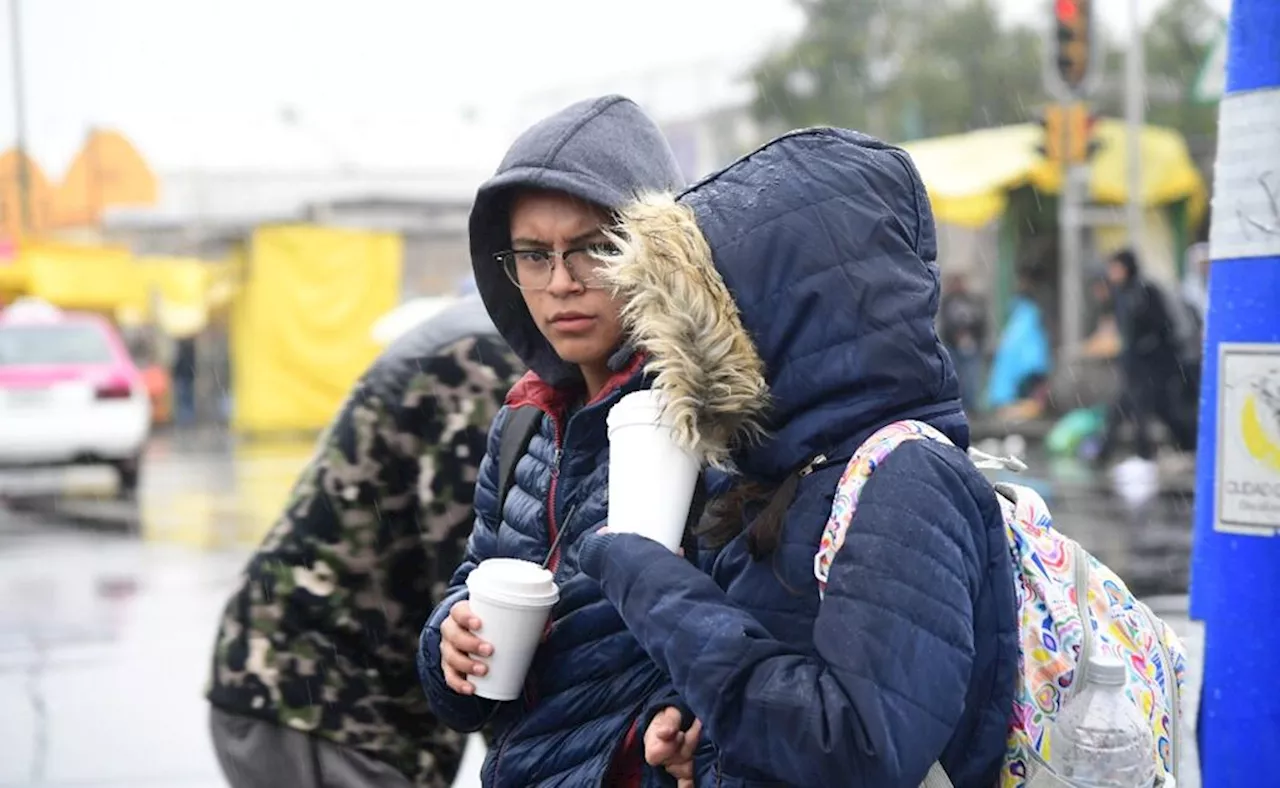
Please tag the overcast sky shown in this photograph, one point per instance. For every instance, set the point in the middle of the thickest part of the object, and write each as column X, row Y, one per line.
column 404, row 83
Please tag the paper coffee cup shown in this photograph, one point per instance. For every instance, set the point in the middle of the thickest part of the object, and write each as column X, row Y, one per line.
column 651, row 479
column 513, row 600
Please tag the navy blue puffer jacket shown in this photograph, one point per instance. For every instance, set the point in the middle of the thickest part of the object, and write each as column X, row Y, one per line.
column 824, row 242
column 591, row 683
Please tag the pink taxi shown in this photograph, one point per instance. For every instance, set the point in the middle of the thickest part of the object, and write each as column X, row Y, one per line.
column 69, row 393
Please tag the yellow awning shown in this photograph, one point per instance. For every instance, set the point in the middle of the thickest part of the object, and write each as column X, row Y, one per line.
column 969, row 176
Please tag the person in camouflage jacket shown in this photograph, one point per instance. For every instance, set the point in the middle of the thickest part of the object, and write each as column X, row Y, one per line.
column 313, row 679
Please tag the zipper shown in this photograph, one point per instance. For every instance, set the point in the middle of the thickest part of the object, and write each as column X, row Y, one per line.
column 553, row 530
column 813, row 465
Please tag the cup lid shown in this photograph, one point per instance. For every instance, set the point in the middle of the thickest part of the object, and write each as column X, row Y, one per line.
column 645, row 406
column 513, row 577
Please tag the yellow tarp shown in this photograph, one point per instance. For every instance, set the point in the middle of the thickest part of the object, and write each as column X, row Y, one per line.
column 82, row 277
column 301, row 322
column 970, row 175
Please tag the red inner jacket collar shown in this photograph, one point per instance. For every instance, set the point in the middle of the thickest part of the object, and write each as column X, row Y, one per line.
column 533, row 390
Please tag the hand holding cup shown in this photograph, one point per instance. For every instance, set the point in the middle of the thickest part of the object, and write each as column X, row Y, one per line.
column 457, row 643
column 512, row 599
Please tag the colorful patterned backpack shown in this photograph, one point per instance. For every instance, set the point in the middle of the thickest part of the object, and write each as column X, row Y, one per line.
column 1058, row 627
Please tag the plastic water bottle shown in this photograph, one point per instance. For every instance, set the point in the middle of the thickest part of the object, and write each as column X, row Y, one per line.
column 1101, row 739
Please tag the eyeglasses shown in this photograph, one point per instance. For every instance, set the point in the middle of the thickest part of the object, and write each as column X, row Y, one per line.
column 533, row 269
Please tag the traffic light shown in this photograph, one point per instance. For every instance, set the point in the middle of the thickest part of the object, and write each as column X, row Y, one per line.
column 1073, row 41
column 1068, row 133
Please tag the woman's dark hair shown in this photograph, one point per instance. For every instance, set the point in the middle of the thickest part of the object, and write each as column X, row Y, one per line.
column 761, row 506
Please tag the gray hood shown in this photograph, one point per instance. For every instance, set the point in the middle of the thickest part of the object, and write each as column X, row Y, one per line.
column 606, row 151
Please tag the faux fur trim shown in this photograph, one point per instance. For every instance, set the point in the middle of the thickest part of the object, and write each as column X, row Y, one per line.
column 680, row 312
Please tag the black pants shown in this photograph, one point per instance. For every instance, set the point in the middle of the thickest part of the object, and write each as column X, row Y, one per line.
column 1165, row 392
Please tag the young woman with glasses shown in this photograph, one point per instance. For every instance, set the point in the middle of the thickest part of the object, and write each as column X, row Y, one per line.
column 534, row 228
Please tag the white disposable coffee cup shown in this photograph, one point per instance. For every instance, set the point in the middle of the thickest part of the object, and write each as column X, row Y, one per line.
column 513, row 600
column 651, row 478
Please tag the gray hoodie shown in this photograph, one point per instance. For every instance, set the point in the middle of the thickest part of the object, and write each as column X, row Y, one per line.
column 606, row 151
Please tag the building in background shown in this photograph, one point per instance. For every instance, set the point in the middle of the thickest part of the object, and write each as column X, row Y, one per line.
column 207, row 214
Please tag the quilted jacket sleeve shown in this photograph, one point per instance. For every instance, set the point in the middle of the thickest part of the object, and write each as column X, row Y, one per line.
column 462, row 712
column 893, row 640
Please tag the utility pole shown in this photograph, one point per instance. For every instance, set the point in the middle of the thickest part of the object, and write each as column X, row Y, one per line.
column 1071, row 227
column 1135, row 100
column 1235, row 586
column 1071, row 77
column 20, row 115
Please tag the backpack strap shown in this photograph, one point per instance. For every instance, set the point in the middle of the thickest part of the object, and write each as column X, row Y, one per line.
column 869, row 455
column 521, row 425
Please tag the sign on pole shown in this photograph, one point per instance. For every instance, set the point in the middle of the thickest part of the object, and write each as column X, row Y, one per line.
column 1248, row 461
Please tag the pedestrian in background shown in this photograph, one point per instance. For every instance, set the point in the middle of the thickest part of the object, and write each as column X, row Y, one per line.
column 184, row 381
column 1158, row 384
column 962, row 320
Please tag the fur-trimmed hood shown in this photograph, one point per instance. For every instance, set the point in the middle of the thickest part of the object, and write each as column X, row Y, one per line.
column 788, row 302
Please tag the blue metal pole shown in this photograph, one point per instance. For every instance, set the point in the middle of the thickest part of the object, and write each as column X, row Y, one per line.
column 1235, row 585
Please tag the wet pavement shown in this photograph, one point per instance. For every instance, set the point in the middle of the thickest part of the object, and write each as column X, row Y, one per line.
column 104, row 643
column 108, row 609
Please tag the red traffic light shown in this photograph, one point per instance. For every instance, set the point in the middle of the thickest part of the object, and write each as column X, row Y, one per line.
column 1072, row 42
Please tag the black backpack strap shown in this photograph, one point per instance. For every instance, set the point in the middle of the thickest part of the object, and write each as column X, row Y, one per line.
column 516, row 434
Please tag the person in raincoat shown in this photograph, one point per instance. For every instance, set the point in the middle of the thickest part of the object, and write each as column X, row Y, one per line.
column 788, row 305
column 1023, row 357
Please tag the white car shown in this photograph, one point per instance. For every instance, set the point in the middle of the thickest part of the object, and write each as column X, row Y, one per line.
column 69, row 393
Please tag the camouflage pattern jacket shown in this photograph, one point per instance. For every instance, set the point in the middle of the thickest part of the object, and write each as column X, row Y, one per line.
column 322, row 633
